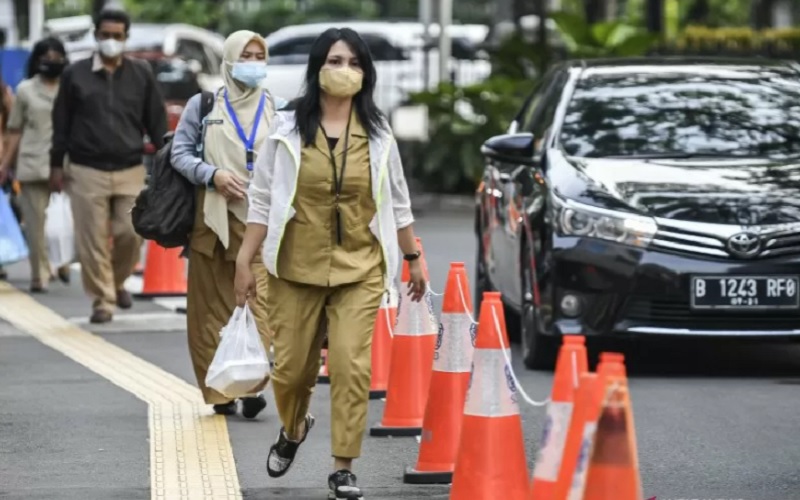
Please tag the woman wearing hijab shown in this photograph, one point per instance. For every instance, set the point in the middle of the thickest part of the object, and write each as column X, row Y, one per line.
column 329, row 197
column 30, row 132
column 217, row 155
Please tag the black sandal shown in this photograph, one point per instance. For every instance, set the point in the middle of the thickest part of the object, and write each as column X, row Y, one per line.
column 282, row 453
column 226, row 409
column 252, row 406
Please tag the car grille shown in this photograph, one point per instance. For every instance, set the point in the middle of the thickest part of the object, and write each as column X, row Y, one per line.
column 690, row 243
column 675, row 312
column 711, row 239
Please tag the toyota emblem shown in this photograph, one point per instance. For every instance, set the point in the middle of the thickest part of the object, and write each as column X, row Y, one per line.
column 744, row 245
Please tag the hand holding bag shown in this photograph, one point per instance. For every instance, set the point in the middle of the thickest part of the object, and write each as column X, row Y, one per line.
column 240, row 363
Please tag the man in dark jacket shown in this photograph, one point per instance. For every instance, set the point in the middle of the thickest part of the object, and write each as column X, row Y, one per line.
column 104, row 106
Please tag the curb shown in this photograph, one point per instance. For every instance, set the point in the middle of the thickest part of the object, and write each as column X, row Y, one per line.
column 432, row 202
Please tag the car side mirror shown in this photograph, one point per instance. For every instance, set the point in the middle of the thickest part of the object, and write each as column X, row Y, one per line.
column 511, row 148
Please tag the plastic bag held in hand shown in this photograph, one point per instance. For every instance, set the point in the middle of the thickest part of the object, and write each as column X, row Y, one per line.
column 59, row 231
column 13, row 247
column 240, row 363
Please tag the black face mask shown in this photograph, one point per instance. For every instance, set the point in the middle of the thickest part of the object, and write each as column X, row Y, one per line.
column 51, row 69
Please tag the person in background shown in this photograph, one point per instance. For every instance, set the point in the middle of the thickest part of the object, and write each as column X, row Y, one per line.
column 28, row 139
column 330, row 198
column 235, row 129
column 104, row 105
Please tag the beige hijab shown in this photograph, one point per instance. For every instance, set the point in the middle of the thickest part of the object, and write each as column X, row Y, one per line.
column 223, row 148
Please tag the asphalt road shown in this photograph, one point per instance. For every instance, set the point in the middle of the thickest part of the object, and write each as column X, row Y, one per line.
column 713, row 420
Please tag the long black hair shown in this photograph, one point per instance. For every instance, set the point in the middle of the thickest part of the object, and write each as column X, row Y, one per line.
column 307, row 106
column 41, row 48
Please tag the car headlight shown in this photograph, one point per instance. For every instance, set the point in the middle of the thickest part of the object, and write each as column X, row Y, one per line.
column 577, row 219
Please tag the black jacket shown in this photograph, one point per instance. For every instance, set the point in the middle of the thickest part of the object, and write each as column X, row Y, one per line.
column 99, row 119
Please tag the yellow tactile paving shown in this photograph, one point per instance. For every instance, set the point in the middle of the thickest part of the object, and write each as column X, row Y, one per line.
column 190, row 451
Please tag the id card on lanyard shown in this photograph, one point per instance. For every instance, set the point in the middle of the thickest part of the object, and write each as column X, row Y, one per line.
column 338, row 181
column 249, row 142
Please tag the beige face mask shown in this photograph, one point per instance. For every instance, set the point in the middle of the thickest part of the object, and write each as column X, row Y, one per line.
column 344, row 82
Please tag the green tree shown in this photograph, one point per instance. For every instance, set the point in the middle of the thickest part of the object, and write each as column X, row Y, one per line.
column 611, row 38
column 203, row 13
column 60, row 8
column 278, row 13
column 714, row 13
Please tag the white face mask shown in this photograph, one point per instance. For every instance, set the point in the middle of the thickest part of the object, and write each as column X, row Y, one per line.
column 110, row 47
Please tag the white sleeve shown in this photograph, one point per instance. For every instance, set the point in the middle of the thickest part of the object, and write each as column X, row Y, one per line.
column 260, row 190
column 401, row 200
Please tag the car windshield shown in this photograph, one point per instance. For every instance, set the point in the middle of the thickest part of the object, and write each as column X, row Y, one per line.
column 752, row 112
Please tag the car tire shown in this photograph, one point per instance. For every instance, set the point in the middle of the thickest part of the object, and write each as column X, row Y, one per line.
column 539, row 351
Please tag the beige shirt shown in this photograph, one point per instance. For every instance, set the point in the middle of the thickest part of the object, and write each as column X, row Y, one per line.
column 31, row 115
column 310, row 253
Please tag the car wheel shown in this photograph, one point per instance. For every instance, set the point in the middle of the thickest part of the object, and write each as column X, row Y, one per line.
column 538, row 351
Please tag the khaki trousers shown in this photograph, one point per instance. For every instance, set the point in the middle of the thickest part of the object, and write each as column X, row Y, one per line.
column 97, row 197
column 299, row 316
column 210, row 303
column 34, row 199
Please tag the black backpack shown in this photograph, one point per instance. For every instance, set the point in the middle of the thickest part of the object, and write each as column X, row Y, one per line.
column 165, row 209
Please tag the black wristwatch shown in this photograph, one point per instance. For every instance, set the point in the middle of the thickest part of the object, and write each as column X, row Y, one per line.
column 412, row 256
column 210, row 183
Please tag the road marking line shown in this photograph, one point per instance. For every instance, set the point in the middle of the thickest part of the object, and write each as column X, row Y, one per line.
column 190, row 452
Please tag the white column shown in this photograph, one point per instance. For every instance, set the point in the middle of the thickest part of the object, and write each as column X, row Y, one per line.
column 445, row 20
column 426, row 18
column 35, row 19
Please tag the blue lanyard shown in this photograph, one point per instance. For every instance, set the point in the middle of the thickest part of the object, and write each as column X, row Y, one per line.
column 249, row 143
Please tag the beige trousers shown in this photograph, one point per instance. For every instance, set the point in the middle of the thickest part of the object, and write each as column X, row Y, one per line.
column 299, row 316
column 97, row 197
column 210, row 303
column 34, row 199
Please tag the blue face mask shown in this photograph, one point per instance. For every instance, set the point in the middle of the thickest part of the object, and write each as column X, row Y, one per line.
column 250, row 73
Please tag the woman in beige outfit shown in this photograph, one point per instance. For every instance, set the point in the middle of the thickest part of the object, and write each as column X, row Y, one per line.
column 220, row 168
column 30, row 132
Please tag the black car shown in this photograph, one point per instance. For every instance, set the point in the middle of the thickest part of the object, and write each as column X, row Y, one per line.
column 648, row 197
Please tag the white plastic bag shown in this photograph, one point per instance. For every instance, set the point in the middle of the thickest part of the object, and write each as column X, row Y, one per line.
column 59, row 231
column 240, row 363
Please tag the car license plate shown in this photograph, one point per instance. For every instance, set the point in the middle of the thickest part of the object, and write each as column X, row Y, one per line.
column 745, row 292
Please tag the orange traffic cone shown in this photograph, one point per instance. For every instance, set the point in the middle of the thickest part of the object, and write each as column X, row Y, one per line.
column 589, row 403
column 613, row 472
column 588, row 400
column 611, row 363
column 165, row 272
column 452, row 361
column 412, row 363
column 491, row 457
column 571, row 364
column 382, row 346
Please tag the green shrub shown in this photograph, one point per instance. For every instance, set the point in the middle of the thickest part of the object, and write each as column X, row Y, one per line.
column 743, row 41
column 460, row 120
